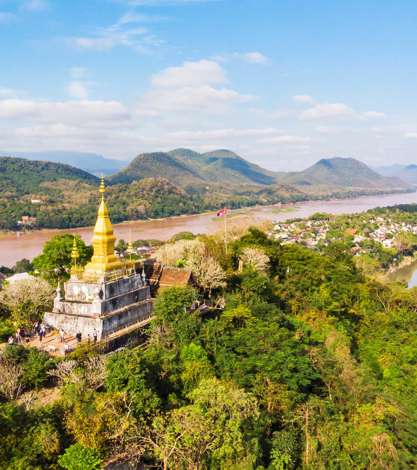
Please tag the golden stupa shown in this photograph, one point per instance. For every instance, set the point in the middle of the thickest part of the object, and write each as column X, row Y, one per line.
column 109, row 299
column 104, row 263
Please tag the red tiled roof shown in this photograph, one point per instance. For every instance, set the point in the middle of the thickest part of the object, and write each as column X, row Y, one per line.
column 175, row 277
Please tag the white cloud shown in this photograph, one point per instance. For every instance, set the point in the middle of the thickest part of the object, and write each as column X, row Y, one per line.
column 228, row 133
column 35, row 5
column 303, row 99
column 374, row 115
column 78, row 89
column 7, row 92
column 253, row 57
column 164, row 2
column 202, row 72
column 327, row 110
column 285, row 139
column 204, row 99
column 134, row 17
column 7, row 17
column 73, row 112
column 123, row 33
column 78, row 86
column 196, row 85
column 78, row 73
column 112, row 37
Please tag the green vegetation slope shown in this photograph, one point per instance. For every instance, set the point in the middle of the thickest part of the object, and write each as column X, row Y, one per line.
column 21, row 176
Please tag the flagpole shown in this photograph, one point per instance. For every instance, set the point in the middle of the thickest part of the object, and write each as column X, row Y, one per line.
column 225, row 231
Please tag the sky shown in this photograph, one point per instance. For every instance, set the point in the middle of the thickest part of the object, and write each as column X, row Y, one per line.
column 282, row 83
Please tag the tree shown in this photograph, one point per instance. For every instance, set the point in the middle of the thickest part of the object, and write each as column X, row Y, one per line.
column 55, row 260
column 78, row 457
column 100, row 421
column 195, row 365
column 174, row 324
column 27, row 300
column 211, row 432
column 11, row 379
column 171, row 254
column 255, row 258
column 127, row 371
column 208, row 272
column 23, row 266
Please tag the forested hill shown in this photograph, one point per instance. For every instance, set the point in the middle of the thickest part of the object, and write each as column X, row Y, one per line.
column 20, row 176
column 310, row 365
column 90, row 162
column 167, row 184
column 341, row 172
column 186, row 167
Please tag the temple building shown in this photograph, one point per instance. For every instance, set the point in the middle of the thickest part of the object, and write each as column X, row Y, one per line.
column 107, row 298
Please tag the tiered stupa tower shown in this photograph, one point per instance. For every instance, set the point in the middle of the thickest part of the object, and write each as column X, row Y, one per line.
column 109, row 296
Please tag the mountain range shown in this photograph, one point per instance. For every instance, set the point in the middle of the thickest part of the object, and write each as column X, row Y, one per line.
column 177, row 182
column 90, row 162
column 188, row 168
column 407, row 173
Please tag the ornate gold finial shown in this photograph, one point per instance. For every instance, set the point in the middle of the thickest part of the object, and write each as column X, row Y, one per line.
column 102, row 189
column 104, row 260
column 75, row 256
column 130, row 250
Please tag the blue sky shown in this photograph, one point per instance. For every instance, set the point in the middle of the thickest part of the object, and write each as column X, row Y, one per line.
column 282, row 82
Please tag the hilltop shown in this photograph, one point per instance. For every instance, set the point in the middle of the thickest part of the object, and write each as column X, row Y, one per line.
column 21, row 176
column 341, row 173
column 188, row 168
column 225, row 168
column 163, row 184
column 90, row 162
column 406, row 173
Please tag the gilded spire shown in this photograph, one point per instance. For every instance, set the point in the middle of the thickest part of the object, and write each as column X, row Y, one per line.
column 104, row 260
column 75, row 256
column 102, row 189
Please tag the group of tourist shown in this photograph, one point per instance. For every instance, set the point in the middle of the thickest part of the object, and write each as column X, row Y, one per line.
column 78, row 336
column 22, row 335
column 40, row 329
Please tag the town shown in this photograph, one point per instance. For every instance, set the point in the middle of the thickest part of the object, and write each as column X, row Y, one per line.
column 372, row 233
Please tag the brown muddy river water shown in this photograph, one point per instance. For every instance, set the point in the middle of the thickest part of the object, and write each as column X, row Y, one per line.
column 14, row 247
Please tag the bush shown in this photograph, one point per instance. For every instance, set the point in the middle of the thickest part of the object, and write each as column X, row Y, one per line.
column 78, row 457
column 6, row 329
column 36, row 367
column 35, row 364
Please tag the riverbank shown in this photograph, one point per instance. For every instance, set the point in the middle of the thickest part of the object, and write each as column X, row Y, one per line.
column 403, row 272
column 29, row 245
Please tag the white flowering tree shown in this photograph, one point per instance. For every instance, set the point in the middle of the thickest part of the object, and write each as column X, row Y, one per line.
column 255, row 258
column 27, row 300
column 173, row 254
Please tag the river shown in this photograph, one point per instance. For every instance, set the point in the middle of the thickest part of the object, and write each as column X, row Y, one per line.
column 14, row 247
column 407, row 274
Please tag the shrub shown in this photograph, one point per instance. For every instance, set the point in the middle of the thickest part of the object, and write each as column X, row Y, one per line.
column 78, row 457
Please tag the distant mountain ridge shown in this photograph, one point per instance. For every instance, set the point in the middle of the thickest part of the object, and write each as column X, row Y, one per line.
column 90, row 162
column 162, row 184
column 343, row 173
column 407, row 173
column 186, row 167
column 21, row 176
column 189, row 168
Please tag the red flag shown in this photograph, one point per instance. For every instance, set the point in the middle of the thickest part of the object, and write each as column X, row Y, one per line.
column 222, row 212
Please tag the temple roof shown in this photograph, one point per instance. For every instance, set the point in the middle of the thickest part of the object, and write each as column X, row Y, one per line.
column 175, row 277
